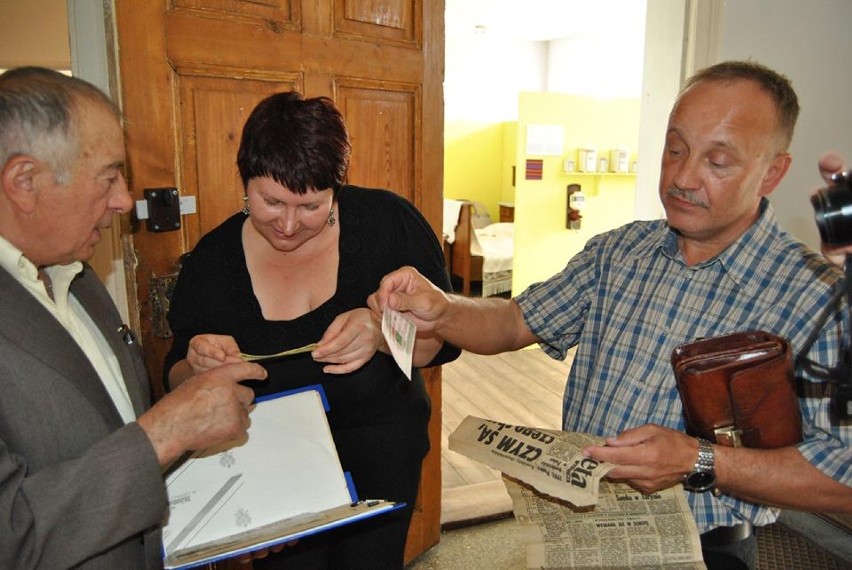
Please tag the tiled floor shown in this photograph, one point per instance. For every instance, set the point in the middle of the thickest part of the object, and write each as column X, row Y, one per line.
column 495, row 545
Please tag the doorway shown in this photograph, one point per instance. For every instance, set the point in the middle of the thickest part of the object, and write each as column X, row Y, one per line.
column 493, row 52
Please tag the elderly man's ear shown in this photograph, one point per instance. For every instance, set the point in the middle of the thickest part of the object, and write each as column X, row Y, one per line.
column 18, row 178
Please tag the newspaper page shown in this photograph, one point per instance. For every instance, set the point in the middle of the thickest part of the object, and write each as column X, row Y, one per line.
column 626, row 529
column 571, row 517
column 552, row 461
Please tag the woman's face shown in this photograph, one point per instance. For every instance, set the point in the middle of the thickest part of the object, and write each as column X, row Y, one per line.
column 286, row 219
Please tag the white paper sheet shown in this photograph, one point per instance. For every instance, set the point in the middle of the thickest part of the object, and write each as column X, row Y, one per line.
column 286, row 467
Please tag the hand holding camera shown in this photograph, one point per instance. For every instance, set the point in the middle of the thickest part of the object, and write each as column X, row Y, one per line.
column 833, row 214
column 832, row 205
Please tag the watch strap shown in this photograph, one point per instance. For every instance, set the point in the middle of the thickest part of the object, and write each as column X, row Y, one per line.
column 706, row 456
column 703, row 476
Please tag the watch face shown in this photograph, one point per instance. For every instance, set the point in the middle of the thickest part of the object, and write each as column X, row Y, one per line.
column 699, row 480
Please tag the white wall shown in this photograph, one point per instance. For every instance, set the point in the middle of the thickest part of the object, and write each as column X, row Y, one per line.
column 600, row 56
column 807, row 41
column 86, row 21
column 605, row 61
column 810, row 42
column 663, row 57
column 484, row 75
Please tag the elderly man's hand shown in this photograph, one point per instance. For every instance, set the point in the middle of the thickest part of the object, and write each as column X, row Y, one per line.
column 208, row 409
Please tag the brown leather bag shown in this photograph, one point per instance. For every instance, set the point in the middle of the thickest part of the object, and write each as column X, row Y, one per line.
column 738, row 389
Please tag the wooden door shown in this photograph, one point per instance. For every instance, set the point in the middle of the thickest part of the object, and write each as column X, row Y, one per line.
column 192, row 70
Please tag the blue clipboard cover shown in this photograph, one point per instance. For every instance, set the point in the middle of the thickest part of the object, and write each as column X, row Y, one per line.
column 281, row 482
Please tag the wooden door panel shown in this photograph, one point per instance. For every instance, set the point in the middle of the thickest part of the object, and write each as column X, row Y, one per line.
column 213, row 112
column 382, row 128
column 192, row 70
column 278, row 10
column 391, row 21
column 274, row 48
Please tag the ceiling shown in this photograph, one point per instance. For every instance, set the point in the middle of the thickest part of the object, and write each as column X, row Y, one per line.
column 537, row 20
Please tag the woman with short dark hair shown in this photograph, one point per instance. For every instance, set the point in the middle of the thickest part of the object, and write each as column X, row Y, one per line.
column 296, row 267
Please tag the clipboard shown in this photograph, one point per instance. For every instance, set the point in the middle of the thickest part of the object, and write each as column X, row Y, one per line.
column 281, row 482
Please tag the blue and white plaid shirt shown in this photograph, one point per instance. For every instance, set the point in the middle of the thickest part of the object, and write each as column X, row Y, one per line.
column 629, row 298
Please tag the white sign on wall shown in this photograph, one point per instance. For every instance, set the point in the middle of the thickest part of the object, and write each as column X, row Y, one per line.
column 545, row 140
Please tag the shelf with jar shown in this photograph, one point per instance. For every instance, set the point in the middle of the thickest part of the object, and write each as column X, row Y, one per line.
column 599, row 174
column 589, row 164
column 594, row 180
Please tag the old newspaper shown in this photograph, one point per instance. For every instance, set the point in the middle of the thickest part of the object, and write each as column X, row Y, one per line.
column 570, row 517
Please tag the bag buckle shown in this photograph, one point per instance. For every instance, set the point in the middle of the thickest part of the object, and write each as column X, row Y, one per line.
column 729, row 436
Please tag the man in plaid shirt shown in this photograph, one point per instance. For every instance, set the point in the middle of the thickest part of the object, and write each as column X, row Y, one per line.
column 718, row 263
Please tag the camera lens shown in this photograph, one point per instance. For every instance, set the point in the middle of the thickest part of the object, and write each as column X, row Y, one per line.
column 833, row 212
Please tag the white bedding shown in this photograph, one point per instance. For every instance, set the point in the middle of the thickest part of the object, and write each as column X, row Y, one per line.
column 451, row 218
column 496, row 244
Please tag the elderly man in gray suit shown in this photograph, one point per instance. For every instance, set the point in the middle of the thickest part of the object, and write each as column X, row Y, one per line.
column 81, row 448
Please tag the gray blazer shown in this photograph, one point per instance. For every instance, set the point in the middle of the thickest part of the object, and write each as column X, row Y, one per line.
column 78, row 488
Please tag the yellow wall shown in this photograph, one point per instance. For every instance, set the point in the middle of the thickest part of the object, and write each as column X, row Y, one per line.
column 473, row 163
column 542, row 243
column 478, row 160
column 510, row 149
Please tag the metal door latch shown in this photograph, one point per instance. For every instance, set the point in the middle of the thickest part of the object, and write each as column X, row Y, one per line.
column 162, row 208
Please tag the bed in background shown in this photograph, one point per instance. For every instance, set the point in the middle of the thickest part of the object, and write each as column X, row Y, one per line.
column 476, row 249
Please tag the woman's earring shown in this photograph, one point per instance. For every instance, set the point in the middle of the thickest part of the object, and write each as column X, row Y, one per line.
column 331, row 219
column 245, row 205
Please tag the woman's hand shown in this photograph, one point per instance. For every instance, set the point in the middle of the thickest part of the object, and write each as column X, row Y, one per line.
column 350, row 341
column 208, row 351
column 264, row 552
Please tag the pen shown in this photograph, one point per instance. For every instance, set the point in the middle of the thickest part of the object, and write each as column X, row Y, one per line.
column 126, row 334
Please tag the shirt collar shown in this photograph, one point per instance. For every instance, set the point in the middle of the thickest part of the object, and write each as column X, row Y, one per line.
column 24, row 271
column 763, row 232
column 753, row 244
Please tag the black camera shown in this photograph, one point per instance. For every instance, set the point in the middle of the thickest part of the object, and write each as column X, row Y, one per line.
column 833, row 213
column 833, row 210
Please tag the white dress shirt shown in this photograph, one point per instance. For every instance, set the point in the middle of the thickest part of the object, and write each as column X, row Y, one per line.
column 71, row 315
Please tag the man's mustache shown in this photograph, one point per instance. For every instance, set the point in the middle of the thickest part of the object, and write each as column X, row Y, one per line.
column 690, row 197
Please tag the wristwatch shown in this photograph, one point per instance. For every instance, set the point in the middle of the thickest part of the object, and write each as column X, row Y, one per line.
column 702, row 477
